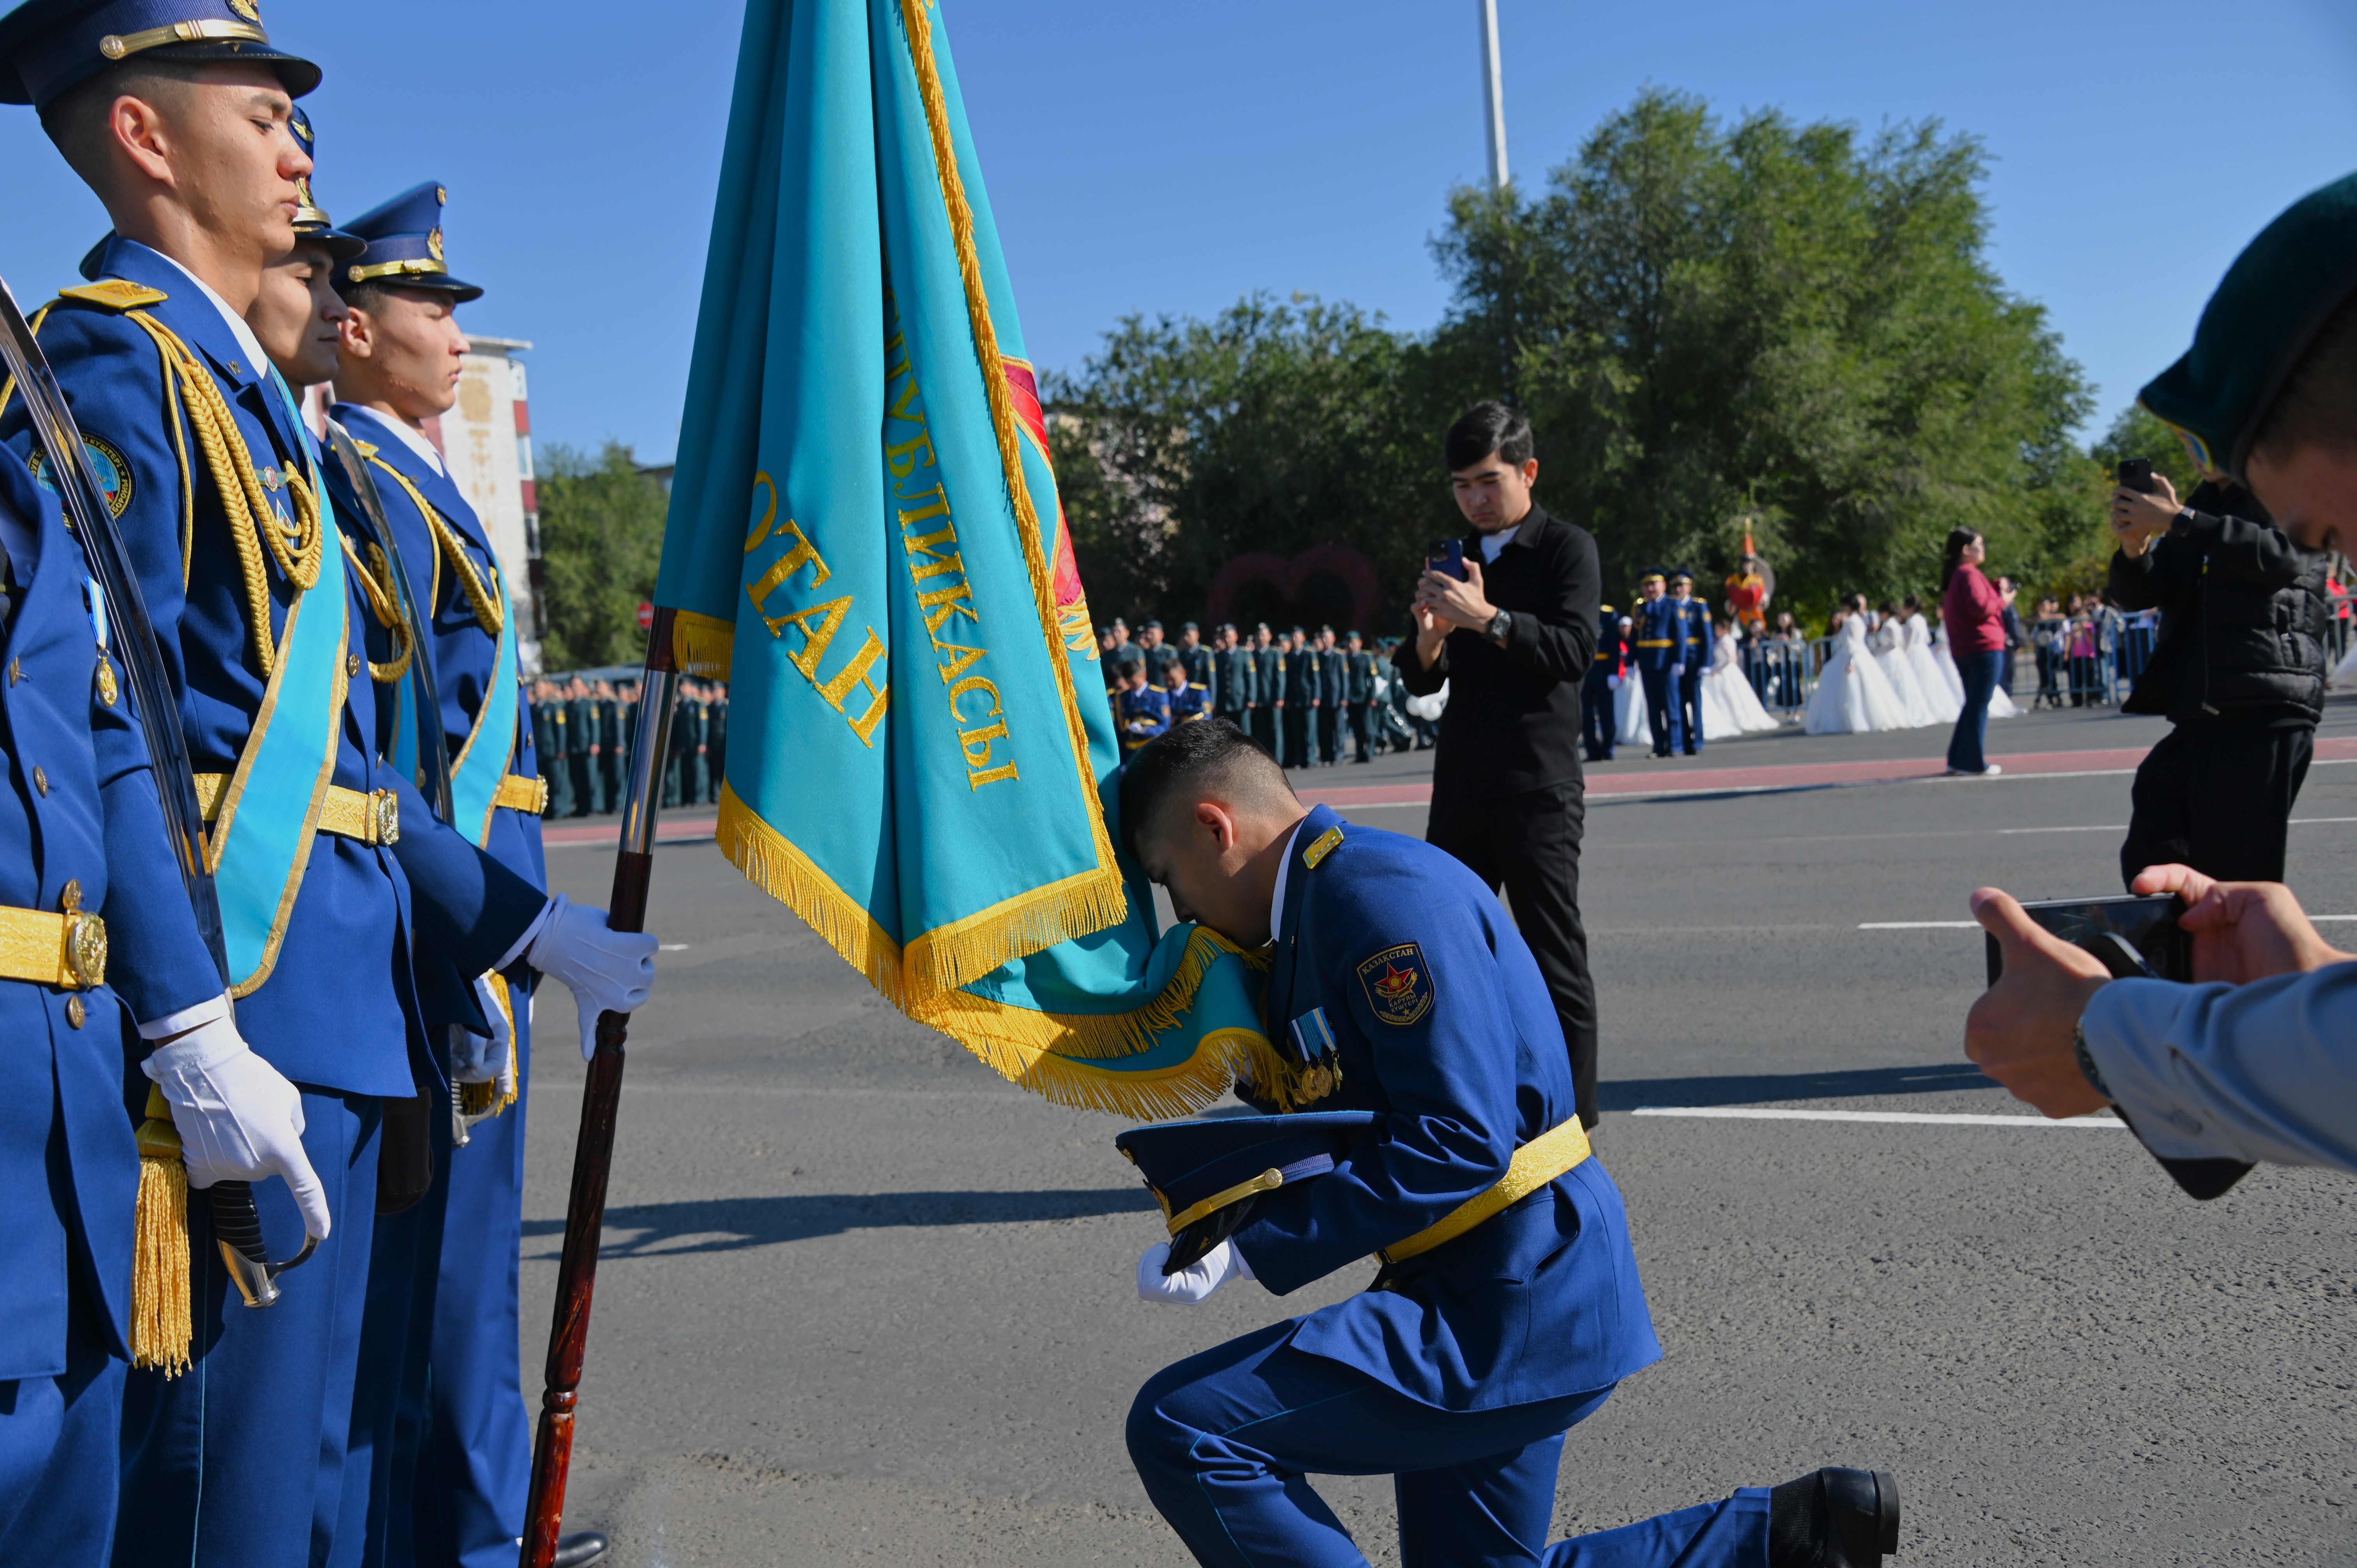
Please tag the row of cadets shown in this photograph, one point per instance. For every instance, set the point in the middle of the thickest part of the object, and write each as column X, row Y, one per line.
column 1674, row 643
column 1603, row 679
column 339, row 886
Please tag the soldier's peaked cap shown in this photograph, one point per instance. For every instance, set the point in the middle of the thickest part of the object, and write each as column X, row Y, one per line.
column 1196, row 1168
column 310, row 221
column 2266, row 311
column 404, row 245
column 47, row 46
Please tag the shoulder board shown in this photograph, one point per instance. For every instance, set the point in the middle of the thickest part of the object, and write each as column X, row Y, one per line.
column 115, row 294
column 1322, row 848
column 363, row 448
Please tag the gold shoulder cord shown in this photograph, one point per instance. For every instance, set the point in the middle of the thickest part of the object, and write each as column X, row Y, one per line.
column 376, row 582
column 485, row 604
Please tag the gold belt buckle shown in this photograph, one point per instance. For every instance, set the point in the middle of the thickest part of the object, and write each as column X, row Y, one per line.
column 85, row 949
column 385, row 808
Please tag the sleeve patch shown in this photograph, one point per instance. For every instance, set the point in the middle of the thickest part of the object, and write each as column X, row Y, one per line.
column 1398, row 984
column 106, row 461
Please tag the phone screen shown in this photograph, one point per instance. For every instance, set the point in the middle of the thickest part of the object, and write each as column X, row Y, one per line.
column 2146, row 924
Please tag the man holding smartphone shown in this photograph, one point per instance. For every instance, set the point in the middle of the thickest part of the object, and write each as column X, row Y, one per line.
column 1513, row 638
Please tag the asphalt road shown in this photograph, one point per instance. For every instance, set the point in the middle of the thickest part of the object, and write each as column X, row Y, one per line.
column 862, row 1301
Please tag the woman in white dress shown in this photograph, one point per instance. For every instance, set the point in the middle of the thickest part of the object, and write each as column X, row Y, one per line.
column 1945, row 703
column 1853, row 694
column 1890, row 644
column 1730, row 706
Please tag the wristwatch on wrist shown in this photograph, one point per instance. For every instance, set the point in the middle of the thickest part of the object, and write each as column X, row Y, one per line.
column 2087, row 1061
column 1500, row 625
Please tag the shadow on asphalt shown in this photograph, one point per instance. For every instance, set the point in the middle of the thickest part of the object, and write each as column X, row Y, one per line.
column 731, row 1224
column 1630, row 1093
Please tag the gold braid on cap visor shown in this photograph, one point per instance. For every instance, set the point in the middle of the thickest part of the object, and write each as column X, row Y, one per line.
column 122, row 46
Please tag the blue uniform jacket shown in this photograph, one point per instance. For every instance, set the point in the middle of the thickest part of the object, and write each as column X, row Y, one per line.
column 1654, row 631
column 338, row 1010
column 1149, row 703
column 1607, row 663
column 1690, row 633
column 68, row 1170
column 1464, row 1060
column 1189, row 702
column 463, row 653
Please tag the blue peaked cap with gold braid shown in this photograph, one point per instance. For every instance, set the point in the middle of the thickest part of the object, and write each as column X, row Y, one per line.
column 49, row 46
column 1203, row 1173
column 310, row 221
column 404, row 245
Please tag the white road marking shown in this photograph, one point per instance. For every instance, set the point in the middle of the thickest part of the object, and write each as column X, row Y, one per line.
column 1909, row 1118
column 671, row 947
column 1920, row 926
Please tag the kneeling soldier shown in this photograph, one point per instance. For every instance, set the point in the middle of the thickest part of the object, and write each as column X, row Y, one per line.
column 1508, row 1307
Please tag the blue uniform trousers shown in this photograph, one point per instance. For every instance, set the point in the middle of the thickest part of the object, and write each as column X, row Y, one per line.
column 1661, row 711
column 1687, row 688
column 473, row 1462
column 1596, row 721
column 1224, row 1441
column 279, row 1378
column 58, row 1440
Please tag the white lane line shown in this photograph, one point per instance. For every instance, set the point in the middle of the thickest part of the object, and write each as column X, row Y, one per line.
column 1909, row 1118
column 1920, row 926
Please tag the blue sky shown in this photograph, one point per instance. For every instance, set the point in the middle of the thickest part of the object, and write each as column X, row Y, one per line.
column 1169, row 157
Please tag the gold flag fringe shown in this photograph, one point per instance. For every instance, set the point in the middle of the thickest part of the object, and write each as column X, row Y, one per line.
column 787, row 875
column 160, row 1329
column 947, row 957
column 703, row 645
column 480, row 1100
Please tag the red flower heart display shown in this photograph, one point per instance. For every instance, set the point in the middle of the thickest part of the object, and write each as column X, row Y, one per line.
column 1347, row 567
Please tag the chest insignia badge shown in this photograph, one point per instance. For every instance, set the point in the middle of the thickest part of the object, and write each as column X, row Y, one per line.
column 106, row 461
column 1398, row 984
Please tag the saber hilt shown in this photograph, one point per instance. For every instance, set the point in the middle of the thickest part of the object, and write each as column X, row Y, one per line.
column 237, row 1229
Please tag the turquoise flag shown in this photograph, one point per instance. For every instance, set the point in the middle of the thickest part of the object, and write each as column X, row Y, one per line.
column 865, row 539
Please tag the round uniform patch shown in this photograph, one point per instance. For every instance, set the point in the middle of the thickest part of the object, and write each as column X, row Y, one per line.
column 1398, row 984
column 106, row 460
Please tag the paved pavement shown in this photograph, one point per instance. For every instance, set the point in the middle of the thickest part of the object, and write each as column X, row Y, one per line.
column 863, row 1302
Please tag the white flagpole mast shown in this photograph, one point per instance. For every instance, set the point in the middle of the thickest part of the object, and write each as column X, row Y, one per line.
column 1493, row 96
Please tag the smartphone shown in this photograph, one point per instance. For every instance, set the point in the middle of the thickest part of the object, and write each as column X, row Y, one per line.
column 2147, row 925
column 1448, row 558
column 2136, row 474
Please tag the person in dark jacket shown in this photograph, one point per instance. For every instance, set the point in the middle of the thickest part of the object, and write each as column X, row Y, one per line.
column 1334, row 687
column 1268, row 689
column 1603, row 678
column 1299, row 668
column 2238, row 670
column 1514, row 639
column 1231, row 681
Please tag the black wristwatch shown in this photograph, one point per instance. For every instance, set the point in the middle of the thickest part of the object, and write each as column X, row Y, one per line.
column 1500, row 625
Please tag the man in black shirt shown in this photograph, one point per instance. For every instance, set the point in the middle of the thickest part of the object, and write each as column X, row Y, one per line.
column 2238, row 670
column 1514, row 641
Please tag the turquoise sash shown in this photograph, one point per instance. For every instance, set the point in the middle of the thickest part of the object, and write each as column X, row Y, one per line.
column 261, row 841
column 475, row 776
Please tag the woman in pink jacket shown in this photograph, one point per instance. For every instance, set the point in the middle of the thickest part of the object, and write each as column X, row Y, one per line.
column 1973, row 611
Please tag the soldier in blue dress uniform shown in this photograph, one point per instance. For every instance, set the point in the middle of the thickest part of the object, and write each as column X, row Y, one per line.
column 326, row 858
column 1655, row 642
column 1185, row 700
column 1508, row 1305
column 1142, row 710
column 1690, row 636
column 88, row 881
column 1603, row 678
column 452, row 1455
column 1196, row 655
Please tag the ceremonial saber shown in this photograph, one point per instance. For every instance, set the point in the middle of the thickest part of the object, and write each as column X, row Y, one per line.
column 601, row 1099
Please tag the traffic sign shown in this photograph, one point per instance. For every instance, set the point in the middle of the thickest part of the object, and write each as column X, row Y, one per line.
column 646, row 615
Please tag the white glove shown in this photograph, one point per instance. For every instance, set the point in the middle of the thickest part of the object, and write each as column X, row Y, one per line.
column 473, row 1058
column 1193, row 1283
column 238, row 1118
column 1613, row 683
column 606, row 969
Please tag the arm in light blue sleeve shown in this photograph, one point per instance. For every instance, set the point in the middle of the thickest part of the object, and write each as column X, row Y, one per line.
column 2265, row 1071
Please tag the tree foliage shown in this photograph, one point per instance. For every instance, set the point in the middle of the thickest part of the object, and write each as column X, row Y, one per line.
column 1790, row 328
column 601, row 524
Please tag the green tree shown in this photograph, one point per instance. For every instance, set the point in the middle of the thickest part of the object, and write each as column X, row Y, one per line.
column 601, row 524
column 1777, row 326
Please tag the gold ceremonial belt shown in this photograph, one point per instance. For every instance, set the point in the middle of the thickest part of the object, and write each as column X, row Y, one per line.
column 66, row 949
column 518, row 793
column 373, row 817
column 1537, row 1162
column 1654, row 642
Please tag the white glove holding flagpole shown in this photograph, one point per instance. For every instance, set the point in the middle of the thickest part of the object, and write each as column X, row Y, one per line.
column 607, row 971
column 1194, row 1283
column 238, row 1118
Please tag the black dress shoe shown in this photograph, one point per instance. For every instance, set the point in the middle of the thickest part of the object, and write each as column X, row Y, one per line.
column 579, row 1551
column 1834, row 1519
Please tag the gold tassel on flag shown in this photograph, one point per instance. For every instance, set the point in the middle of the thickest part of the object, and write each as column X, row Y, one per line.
column 159, row 1256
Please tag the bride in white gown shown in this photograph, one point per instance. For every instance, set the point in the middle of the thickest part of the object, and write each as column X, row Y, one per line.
column 2001, row 705
column 1853, row 694
column 1946, row 702
column 1730, row 706
column 1889, row 642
